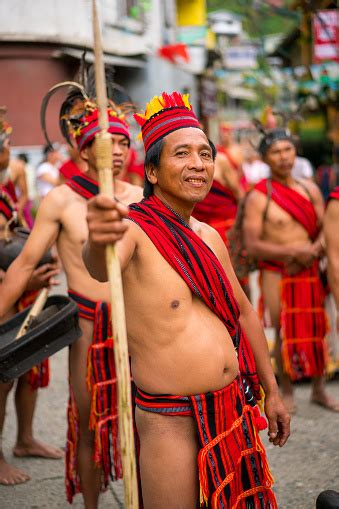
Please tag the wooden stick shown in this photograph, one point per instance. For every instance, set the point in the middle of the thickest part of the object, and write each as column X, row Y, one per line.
column 37, row 307
column 104, row 166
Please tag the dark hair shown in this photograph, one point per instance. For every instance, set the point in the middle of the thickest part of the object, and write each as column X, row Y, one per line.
column 153, row 156
column 277, row 134
column 23, row 157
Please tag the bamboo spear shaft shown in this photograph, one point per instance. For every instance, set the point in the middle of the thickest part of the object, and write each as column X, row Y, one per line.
column 106, row 184
column 35, row 310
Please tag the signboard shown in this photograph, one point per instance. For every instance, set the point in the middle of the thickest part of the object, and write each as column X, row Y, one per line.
column 208, row 94
column 240, row 57
column 325, row 36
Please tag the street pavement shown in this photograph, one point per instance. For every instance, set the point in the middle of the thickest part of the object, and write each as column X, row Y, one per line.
column 308, row 464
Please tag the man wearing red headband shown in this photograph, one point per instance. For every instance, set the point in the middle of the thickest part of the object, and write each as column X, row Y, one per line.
column 187, row 321
column 91, row 453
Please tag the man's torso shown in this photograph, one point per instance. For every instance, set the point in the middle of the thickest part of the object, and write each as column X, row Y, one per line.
column 177, row 344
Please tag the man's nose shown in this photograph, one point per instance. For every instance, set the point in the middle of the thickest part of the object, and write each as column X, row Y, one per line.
column 196, row 162
column 116, row 148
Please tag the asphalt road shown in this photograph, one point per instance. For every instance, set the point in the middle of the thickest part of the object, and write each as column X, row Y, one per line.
column 308, row 464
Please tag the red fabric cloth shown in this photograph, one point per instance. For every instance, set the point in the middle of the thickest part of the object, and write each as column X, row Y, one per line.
column 294, row 203
column 101, row 383
column 133, row 165
column 195, row 262
column 334, row 195
column 174, row 114
column 69, row 169
column 232, row 463
column 90, row 127
column 218, row 209
column 7, row 203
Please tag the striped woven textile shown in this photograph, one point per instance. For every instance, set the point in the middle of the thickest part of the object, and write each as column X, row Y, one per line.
column 232, row 463
column 101, row 382
column 303, row 324
column 196, row 263
column 299, row 207
column 83, row 185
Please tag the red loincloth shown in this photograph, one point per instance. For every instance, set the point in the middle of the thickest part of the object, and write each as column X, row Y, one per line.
column 101, row 383
column 232, row 463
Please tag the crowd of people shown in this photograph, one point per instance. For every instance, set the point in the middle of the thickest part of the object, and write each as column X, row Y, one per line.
column 203, row 380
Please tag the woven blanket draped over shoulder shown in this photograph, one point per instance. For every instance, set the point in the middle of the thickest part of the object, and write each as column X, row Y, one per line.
column 83, row 185
column 294, row 203
column 195, row 262
column 334, row 195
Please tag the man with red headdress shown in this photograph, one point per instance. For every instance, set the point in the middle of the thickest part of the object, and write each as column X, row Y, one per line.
column 282, row 229
column 26, row 386
column 188, row 321
column 91, row 454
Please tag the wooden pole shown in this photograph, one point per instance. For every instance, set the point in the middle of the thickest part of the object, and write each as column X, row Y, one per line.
column 37, row 307
column 106, row 184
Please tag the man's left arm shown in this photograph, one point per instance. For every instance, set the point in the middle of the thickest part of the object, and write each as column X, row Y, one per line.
column 318, row 202
column 278, row 417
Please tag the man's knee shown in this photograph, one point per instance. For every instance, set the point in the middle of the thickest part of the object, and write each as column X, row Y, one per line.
column 6, row 388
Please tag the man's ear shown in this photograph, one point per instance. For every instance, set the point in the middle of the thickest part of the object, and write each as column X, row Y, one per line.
column 151, row 173
column 84, row 154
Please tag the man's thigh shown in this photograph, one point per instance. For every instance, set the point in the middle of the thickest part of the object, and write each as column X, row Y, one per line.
column 271, row 292
column 168, row 461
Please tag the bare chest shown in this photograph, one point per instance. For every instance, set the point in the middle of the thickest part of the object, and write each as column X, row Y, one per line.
column 281, row 226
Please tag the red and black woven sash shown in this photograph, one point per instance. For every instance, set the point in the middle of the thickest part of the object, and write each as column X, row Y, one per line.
column 196, row 263
column 101, row 382
column 85, row 186
column 7, row 204
column 334, row 195
column 218, row 204
column 295, row 204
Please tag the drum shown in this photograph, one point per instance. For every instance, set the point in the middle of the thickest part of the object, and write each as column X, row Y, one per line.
column 11, row 248
column 54, row 328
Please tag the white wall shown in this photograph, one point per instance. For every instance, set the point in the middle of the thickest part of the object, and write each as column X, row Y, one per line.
column 69, row 22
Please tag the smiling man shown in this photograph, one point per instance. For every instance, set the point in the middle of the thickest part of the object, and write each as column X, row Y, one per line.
column 187, row 322
column 282, row 226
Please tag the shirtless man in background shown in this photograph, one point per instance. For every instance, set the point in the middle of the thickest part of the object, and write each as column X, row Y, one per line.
column 177, row 342
column 282, row 229
column 25, row 387
column 61, row 219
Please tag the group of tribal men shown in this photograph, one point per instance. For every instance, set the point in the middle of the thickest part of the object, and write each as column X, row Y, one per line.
column 199, row 356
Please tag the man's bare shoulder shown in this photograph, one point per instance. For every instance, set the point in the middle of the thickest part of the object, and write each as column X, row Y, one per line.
column 255, row 200
column 332, row 211
column 312, row 187
column 204, row 231
column 59, row 197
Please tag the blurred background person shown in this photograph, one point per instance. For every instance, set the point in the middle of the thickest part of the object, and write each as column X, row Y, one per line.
column 254, row 167
column 47, row 173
